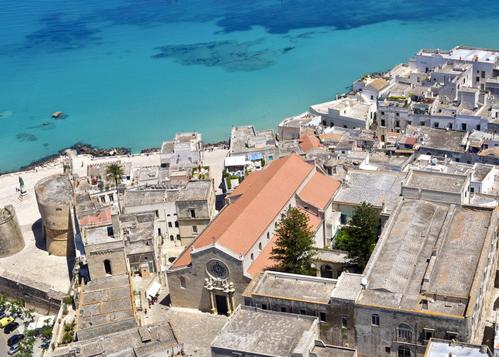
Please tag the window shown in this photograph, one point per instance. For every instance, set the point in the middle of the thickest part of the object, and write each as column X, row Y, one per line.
column 157, row 213
column 344, row 322
column 159, row 231
column 110, row 231
column 478, row 79
column 268, row 235
column 322, row 316
column 252, row 256
column 283, row 309
column 192, row 212
column 404, row 351
column 387, row 349
column 303, row 312
column 404, row 332
column 483, row 74
column 172, row 238
column 382, row 113
column 103, row 199
column 183, row 283
column 397, row 114
column 195, row 229
column 372, row 97
column 428, row 334
column 178, row 236
column 383, row 123
column 107, row 267
column 449, row 125
column 397, row 124
column 375, row 320
column 264, row 306
column 478, row 127
column 111, row 198
column 260, row 245
column 170, row 224
column 435, row 125
column 463, row 126
column 176, row 224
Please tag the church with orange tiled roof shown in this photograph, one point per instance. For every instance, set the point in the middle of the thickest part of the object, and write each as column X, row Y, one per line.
column 212, row 272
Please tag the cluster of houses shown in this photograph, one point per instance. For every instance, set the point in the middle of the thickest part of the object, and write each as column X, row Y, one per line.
column 418, row 143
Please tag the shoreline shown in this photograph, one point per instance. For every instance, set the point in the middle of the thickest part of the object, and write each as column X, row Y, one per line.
column 88, row 149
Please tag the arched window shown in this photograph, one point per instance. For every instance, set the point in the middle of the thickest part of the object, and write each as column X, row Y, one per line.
column 172, row 238
column 183, row 284
column 252, row 256
column 107, row 267
column 404, row 332
column 260, row 245
column 268, row 235
column 404, row 351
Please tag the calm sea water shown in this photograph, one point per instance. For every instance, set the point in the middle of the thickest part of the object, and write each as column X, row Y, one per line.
column 133, row 72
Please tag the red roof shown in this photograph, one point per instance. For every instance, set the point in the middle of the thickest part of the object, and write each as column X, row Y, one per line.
column 410, row 140
column 263, row 195
column 319, row 191
column 101, row 218
column 309, row 142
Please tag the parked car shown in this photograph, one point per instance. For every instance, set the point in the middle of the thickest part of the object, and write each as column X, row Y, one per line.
column 10, row 327
column 45, row 345
column 5, row 321
column 14, row 340
column 14, row 349
column 2, row 314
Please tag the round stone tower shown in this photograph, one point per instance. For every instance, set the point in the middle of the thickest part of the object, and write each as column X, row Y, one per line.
column 54, row 195
column 11, row 237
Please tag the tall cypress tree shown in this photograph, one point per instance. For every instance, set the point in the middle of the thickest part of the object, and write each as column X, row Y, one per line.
column 362, row 234
column 294, row 250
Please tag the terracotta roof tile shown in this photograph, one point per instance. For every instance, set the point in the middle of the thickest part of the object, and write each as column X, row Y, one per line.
column 309, row 142
column 262, row 195
column 100, row 218
column 319, row 190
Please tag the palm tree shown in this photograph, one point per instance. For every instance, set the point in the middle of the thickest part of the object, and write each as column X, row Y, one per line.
column 115, row 172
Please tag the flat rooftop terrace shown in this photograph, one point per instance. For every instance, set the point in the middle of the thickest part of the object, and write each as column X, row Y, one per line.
column 105, row 307
column 293, row 287
column 429, row 249
column 55, row 189
column 379, row 188
column 436, row 181
column 263, row 332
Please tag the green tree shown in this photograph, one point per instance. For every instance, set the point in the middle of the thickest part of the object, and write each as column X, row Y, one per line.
column 362, row 232
column 26, row 347
column 294, row 249
column 342, row 238
column 115, row 172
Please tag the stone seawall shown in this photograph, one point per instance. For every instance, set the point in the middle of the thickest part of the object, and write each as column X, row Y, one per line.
column 41, row 297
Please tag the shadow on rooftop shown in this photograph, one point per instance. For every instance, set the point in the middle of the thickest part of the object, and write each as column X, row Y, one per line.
column 166, row 301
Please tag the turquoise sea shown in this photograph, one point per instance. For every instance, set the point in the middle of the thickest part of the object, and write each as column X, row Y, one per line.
column 133, row 72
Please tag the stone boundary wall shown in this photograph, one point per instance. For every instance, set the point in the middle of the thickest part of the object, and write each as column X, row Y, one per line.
column 41, row 297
